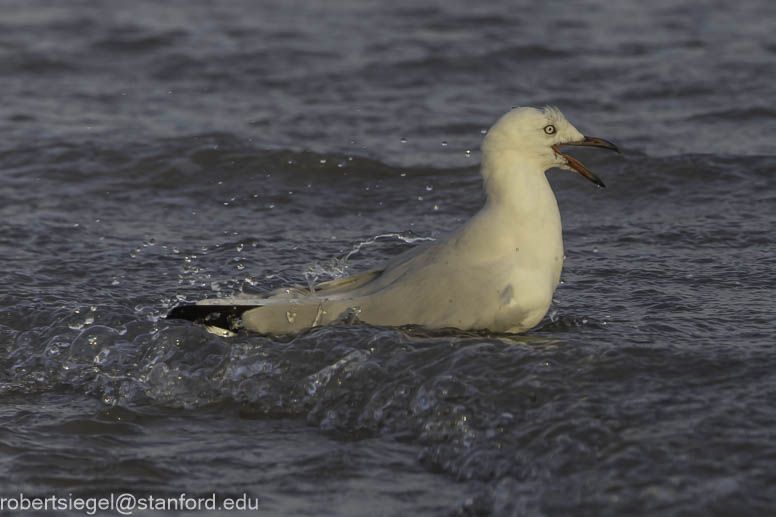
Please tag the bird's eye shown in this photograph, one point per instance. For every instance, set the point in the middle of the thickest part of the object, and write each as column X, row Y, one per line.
column 549, row 129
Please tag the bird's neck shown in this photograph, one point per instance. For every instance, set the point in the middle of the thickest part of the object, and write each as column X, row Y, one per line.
column 522, row 206
column 518, row 185
column 519, row 224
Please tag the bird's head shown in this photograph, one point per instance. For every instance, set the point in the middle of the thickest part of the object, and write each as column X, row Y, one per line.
column 537, row 136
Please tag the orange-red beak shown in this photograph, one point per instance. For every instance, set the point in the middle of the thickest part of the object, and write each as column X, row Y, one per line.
column 575, row 164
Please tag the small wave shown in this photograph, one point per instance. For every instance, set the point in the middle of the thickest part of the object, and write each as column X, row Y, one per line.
column 36, row 63
column 195, row 161
column 130, row 39
column 739, row 115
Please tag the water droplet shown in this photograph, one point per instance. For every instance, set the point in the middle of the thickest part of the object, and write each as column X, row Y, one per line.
column 420, row 198
column 468, row 153
column 403, row 174
column 444, row 143
column 436, row 207
column 240, row 267
column 429, row 188
column 323, row 160
column 102, row 355
column 403, row 140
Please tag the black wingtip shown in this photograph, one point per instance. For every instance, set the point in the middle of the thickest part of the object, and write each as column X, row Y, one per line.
column 222, row 316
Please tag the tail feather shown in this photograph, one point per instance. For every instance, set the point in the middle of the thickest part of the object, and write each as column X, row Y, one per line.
column 227, row 317
column 287, row 312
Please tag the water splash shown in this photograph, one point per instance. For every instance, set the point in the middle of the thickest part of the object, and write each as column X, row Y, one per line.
column 408, row 237
column 338, row 267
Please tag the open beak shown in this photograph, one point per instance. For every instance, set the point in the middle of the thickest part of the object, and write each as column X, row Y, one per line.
column 575, row 164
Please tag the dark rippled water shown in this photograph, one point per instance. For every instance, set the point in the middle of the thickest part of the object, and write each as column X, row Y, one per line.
column 155, row 152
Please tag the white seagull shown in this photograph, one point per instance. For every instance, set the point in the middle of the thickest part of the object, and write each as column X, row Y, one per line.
column 496, row 272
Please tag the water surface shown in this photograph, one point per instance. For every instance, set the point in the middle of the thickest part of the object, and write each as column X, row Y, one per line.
column 154, row 153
